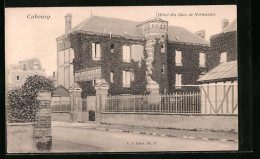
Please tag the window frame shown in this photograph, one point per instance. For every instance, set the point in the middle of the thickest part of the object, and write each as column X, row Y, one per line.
column 204, row 63
column 96, row 55
column 130, row 54
column 220, row 60
column 178, row 82
column 125, row 74
column 176, row 59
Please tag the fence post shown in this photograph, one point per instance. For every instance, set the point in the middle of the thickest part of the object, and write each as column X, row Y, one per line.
column 42, row 131
column 101, row 94
column 76, row 103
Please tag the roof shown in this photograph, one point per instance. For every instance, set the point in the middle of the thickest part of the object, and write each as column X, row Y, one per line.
column 231, row 27
column 223, row 71
column 121, row 27
column 61, row 91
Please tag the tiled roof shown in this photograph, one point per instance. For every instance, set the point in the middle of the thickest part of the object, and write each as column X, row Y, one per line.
column 121, row 27
column 231, row 27
column 223, row 71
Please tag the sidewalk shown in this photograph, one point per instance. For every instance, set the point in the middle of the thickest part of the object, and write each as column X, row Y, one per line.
column 188, row 134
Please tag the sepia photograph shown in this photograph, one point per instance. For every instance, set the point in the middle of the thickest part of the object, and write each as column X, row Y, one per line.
column 121, row 79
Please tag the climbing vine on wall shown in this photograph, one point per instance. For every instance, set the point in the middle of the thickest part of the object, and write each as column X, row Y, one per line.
column 109, row 62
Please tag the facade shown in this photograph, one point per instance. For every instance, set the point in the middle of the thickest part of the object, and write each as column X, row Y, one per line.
column 223, row 45
column 17, row 73
column 219, row 86
column 133, row 57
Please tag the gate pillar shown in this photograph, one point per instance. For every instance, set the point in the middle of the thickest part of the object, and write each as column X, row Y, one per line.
column 75, row 103
column 101, row 94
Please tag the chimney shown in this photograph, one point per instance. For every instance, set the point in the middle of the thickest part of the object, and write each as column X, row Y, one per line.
column 53, row 74
column 201, row 33
column 225, row 23
column 68, row 22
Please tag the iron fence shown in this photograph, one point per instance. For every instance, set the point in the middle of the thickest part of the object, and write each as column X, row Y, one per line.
column 60, row 106
column 167, row 103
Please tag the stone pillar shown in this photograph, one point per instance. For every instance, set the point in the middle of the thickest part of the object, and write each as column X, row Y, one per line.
column 76, row 103
column 101, row 94
column 42, row 131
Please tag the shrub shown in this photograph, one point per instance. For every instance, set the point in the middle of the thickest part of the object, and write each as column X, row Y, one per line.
column 22, row 103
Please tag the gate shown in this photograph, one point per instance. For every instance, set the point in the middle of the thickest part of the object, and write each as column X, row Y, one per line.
column 89, row 108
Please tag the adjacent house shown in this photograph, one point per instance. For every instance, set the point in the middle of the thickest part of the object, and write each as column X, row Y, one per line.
column 219, row 91
column 133, row 57
column 17, row 73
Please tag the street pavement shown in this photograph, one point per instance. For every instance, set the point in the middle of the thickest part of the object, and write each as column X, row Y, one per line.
column 86, row 137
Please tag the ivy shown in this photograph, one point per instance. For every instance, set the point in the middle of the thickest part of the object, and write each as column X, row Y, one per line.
column 109, row 62
column 22, row 103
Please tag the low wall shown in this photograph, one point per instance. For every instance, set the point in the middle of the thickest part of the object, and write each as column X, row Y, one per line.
column 197, row 121
column 61, row 116
column 20, row 138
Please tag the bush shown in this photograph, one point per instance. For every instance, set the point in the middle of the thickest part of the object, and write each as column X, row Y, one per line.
column 22, row 103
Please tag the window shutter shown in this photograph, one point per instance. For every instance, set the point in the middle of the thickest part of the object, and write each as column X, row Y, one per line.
column 93, row 50
column 98, row 51
column 124, row 83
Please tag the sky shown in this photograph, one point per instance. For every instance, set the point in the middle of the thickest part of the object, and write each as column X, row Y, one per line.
column 27, row 38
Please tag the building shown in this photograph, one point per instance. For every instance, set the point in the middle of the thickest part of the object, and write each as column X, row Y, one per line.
column 223, row 45
column 17, row 73
column 219, row 91
column 132, row 57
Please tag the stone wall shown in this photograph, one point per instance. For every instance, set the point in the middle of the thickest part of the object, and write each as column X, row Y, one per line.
column 20, row 138
column 204, row 122
column 63, row 116
column 42, row 131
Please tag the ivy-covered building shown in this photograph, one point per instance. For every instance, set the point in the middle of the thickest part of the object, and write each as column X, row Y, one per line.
column 223, row 45
column 133, row 57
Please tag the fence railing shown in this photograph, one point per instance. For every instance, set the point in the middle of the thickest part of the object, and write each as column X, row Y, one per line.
column 89, row 103
column 168, row 103
column 60, row 106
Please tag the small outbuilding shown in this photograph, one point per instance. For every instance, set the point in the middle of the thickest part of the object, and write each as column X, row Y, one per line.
column 219, row 91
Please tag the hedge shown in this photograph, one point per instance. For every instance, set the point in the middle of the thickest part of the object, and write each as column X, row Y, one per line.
column 22, row 103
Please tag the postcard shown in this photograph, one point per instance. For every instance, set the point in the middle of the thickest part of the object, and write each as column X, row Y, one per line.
column 121, row 79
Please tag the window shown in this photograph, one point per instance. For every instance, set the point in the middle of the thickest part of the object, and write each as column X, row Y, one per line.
column 17, row 78
column 162, row 69
column 137, row 52
column 112, row 48
column 67, row 56
column 24, row 66
column 71, row 55
column 126, row 53
column 60, row 58
column 202, row 60
column 35, row 65
column 178, row 81
column 112, row 77
column 96, row 51
column 94, row 82
column 223, row 57
column 127, row 78
column 162, row 48
column 178, row 58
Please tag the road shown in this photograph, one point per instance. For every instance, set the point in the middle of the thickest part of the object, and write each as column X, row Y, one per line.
column 68, row 139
